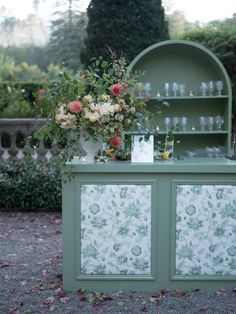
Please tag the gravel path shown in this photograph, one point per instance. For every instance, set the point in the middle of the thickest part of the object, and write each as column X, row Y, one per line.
column 31, row 278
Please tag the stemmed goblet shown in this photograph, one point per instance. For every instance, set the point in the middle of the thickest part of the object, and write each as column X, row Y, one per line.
column 175, row 88
column 203, row 88
column 202, row 123
column 219, row 87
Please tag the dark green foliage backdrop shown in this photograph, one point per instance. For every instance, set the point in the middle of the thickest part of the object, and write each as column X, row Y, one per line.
column 220, row 38
column 126, row 26
column 29, row 184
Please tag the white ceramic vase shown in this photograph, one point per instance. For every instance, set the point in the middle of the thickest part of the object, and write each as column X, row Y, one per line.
column 90, row 144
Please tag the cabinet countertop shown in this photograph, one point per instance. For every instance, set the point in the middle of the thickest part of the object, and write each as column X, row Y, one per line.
column 187, row 165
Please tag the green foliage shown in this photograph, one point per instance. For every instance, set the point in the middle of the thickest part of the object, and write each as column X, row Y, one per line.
column 127, row 27
column 220, row 38
column 17, row 100
column 18, row 85
column 30, row 184
column 31, row 54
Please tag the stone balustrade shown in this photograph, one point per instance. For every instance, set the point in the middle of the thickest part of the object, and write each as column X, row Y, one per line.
column 16, row 139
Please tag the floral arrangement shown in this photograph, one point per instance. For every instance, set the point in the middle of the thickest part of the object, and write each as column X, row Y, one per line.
column 101, row 101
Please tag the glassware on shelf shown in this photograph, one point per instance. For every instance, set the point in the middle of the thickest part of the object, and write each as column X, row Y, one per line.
column 183, row 123
column 202, row 123
column 167, row 124
column 219, row 121
column 219, row 87
column 166, row 89
column 203, row 88
column 175, row 123
column 148, row 88
column 211, row 87
column 175, row 88
column 210, row 123
column 182, row 89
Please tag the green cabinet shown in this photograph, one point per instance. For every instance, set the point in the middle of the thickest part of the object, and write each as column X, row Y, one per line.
column 151, row 226
column 187, row 63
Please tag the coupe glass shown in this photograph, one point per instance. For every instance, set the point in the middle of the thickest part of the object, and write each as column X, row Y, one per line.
column 202, row 123
column 167, row 89
column 203, row 88
column 219, row 87
column 175, row 88
column 219, row 121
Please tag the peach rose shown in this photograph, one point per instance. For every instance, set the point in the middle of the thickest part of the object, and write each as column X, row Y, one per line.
column 116, row 141
column 117, row 89
column 75, row 106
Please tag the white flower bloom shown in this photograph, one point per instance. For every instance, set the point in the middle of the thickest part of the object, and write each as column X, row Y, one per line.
column 117, row 107
column 93, row 106
column 106, row 108
column 68, row 121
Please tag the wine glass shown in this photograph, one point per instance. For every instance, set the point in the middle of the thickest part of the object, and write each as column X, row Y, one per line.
column 202, row 123
column 148, row 88
column 182, row 89
column 211, row 87
column 183, row 123
column 219, row 121
column 176, row 123
column 203, row 88
column 219, row 87
column 175, row 88
column 167, row 89
column 210, row 123
column 167, row 123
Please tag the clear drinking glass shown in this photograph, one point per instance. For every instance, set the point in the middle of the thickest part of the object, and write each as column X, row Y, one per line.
column 183, row 123
column 167, row 89
column 202, row 123
column 167, row 124
column 210, row 123
column 175, row 88
column 203, row 88
column 219, row 87
column 219, row 121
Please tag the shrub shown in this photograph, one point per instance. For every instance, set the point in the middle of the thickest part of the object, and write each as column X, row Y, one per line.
column 29, row 184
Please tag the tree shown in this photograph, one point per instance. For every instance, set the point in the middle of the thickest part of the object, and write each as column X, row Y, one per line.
column 67, row 37
column 125, row 26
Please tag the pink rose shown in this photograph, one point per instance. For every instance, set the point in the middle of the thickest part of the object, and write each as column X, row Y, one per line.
column 117, row 89
column 116, row 141
column 75, row 106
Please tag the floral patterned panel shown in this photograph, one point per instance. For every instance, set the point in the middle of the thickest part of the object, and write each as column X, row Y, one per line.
column 115, row 229
column 206, row 230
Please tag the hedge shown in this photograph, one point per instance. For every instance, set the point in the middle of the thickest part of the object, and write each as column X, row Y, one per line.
column 30, row 184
